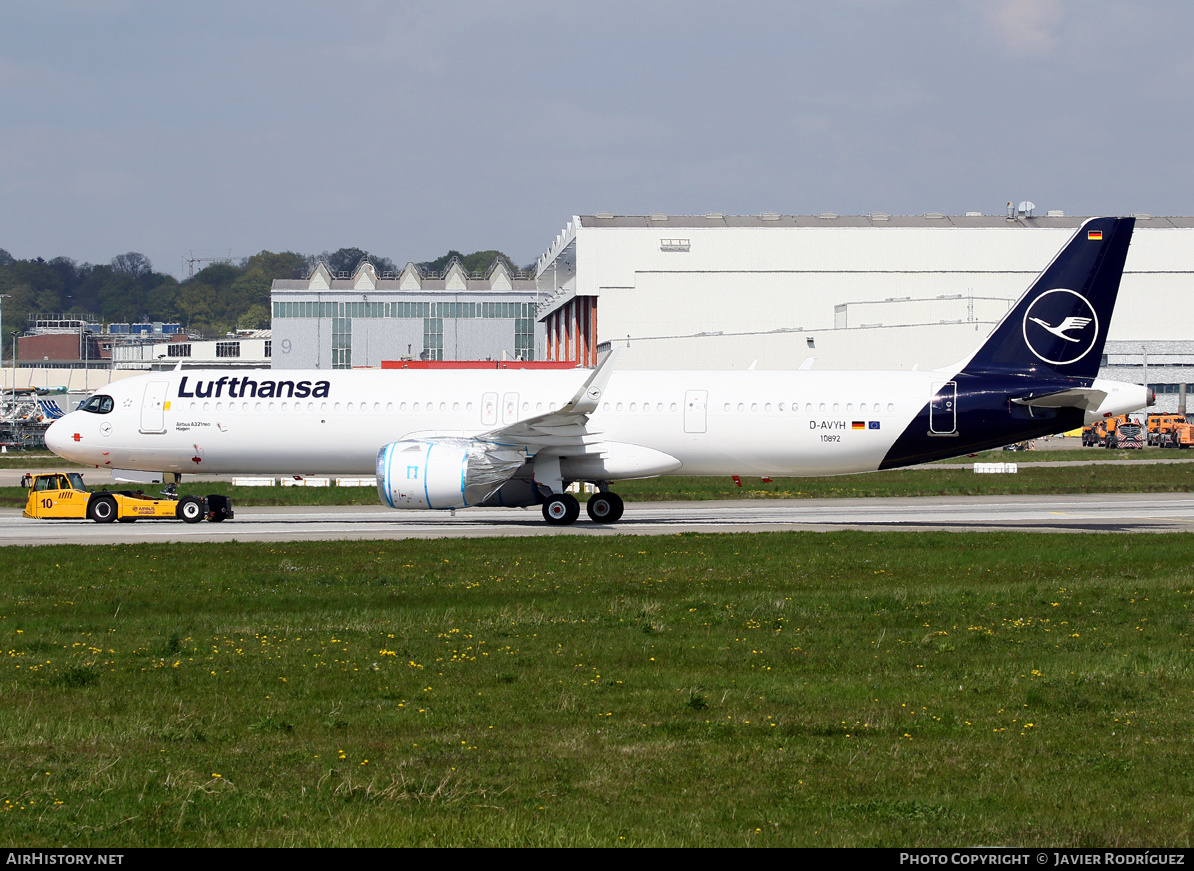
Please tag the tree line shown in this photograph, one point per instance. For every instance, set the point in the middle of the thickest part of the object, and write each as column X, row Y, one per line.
column 218, row 299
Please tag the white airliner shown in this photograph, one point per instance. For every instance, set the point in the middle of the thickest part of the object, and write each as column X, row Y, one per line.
column 439, row 439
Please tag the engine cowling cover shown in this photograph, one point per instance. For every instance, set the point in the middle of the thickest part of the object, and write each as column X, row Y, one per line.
column 443, row 473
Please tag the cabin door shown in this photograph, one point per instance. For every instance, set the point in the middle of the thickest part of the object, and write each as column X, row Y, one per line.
column 153, row 407
column 943, row 409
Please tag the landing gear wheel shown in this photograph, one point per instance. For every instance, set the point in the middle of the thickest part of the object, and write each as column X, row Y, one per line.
column 189, row 510
column 605, row 508
column 561, row 510
column 102, row 509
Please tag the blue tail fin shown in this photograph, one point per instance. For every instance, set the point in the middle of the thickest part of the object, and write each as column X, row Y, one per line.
column 1060, row 324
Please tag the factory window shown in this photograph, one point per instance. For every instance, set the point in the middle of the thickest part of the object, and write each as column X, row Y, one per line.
column 433, row 338
column 227, row 349
column 524, row 338
column 178, row 349
column 1170, row 388
column 269, row 348
column 341, row 343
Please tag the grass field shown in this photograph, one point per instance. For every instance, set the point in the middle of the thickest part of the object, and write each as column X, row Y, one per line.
column 770, row 689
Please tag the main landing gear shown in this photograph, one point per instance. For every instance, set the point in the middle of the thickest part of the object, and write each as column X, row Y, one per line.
column 562, row 509
column 605, row 507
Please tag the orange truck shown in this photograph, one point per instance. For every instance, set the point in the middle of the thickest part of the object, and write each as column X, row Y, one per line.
column 1160, row 426
column 1180, row 435
column 1103, row 432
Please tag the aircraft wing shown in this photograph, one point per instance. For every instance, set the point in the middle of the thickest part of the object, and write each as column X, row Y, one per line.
column 1085, row 398
column 564, row 427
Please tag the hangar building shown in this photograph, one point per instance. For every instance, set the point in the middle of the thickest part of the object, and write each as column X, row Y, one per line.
column 861, row 292
column 340, row 322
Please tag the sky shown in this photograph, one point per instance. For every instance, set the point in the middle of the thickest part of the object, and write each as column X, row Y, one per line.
column 410, row 127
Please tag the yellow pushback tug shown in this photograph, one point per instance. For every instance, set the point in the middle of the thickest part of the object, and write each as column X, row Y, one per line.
column 62, row 495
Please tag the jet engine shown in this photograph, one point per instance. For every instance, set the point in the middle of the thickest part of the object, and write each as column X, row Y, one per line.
column 443, row 473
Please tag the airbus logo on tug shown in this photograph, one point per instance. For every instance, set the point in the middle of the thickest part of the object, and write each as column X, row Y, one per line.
column 250, row 388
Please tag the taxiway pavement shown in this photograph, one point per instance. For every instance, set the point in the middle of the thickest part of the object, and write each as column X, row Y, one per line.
column 1158, row 513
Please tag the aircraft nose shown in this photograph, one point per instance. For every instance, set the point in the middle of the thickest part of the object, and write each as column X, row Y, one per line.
column 57, row 437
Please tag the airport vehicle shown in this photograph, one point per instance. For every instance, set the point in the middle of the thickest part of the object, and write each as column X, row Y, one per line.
column 1102, row 433
column 1127, row 436
column 446, row 439
column 1180, row 435
column 1161, row 425
column 62, row 495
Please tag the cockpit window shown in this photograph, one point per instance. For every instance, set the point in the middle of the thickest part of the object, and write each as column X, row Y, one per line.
column 98, row 404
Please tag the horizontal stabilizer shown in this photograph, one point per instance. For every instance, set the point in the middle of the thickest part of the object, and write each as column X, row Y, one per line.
column 1086, row 398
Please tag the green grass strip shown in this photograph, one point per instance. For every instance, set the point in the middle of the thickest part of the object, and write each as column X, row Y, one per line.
column 774, row 689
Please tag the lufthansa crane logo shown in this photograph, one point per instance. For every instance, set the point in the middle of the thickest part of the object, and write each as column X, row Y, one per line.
column 1061, row 326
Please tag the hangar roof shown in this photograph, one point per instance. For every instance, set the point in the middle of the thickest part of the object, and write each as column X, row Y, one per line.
column 716, row 219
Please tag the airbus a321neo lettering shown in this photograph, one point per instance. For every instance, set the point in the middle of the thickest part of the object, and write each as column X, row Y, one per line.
column 439, row 439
